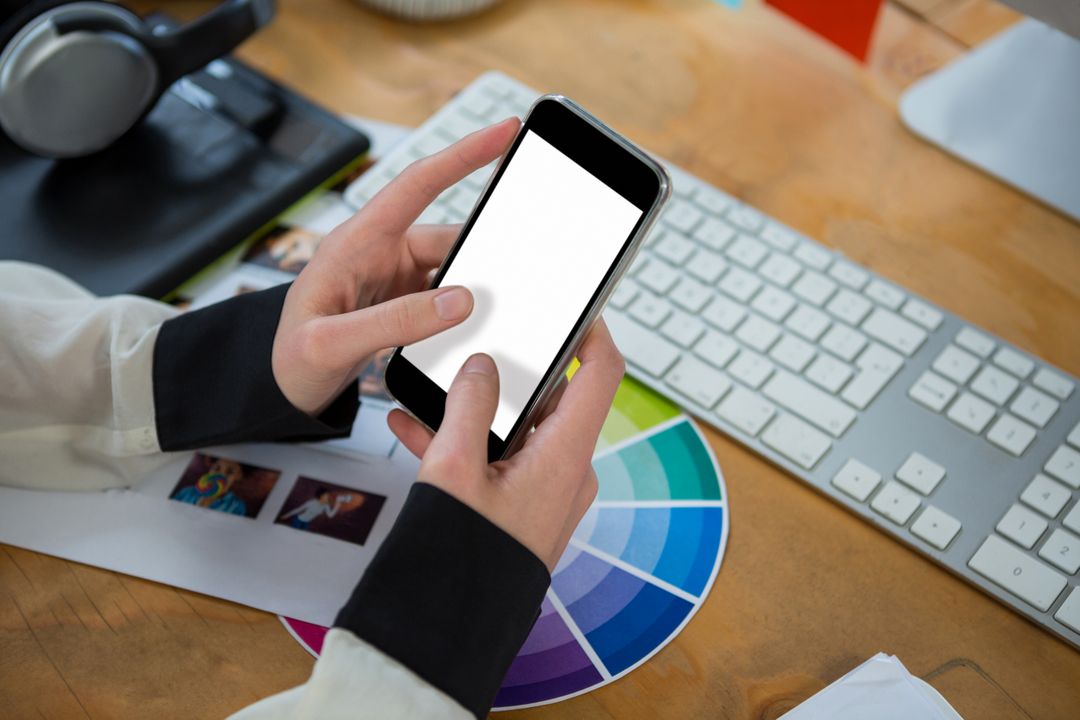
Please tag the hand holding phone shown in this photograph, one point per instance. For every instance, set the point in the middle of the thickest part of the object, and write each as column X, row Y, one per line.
column 365, row 288
column 539, row 494
column 554, row 230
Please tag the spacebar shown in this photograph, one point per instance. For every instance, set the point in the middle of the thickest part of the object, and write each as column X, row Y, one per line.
column 641, row 347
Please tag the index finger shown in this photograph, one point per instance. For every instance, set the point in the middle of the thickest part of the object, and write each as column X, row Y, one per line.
column 396, row 206
column 575, row 424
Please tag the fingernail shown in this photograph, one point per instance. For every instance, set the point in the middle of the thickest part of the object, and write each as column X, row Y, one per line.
column 479, row 364
column 453, row 303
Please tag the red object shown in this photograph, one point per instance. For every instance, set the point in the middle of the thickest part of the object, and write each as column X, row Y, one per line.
column 848, row 24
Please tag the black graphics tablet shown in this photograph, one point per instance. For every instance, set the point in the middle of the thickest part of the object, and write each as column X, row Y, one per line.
column 224, row 153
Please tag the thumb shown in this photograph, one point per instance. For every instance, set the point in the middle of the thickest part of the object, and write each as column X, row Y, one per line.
column 470, row 410
column 401, row 321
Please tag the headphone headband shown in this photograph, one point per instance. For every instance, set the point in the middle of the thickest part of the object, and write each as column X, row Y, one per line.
column 189, row 47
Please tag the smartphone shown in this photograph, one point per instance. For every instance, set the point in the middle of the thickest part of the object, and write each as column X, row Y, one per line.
column 554, row 230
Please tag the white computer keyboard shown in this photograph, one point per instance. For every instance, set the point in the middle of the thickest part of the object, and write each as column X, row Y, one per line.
column 963, row 447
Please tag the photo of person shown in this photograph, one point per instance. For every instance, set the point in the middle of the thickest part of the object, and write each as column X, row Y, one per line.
column 331, row 510
column 225, row 485
column 285, row 248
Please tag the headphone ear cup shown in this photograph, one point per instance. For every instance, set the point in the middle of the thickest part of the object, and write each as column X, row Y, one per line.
column 74, row 94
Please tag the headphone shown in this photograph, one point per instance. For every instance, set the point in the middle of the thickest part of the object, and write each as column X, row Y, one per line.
column 76, row 76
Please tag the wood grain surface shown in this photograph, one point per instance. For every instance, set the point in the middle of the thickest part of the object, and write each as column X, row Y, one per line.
column 753, row 103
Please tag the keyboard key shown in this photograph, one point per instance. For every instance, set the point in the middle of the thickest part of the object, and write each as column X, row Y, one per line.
column 829, row 373
column 780, row 269
column 1023, row 576
column 724, row 314
column 843, row 342
column 920, row 473
column 808, row 322
column 792, row 353
column 1062, row 550
column 716, row 349
column 1053, row 383
column 975, row 341
column 894, row 331
column 658, row 276
column 1072, row 518
column 878, row 358
column 856, row 480
column 674, row 248
column 895, row 502
column 849, row 307
column 706, row 266
column 745, row 410
column 1064, row 464
column 698, row 381
column 994, row 385
column 745, row 217
column 809, row 403
column 714, row 234
column 796, row 441
column 848, row 274
column 758, row 333
column 877, row 366
column 681, row 215
column 683, row 329
column 751, row 369
column 650, row 310
column 956, row 364
column 1069, row 612
column 814, row 256
column 1045, row 495
column 884, row 294
column 861, row 391
column 935, row 527
column 779, row 237
column 711, row 200
column 1074, row 436
column 690, row 295
column 1011, row 435
column 1034, row 406
column 641, row 347
column 971, row 413
column 814, row 287
column 740, row 284
column 1014, row 362
column 624, row 292
column 922, row 313
column 747, row 251
column 932, row 391
column 1022, row 526
column 773, row 303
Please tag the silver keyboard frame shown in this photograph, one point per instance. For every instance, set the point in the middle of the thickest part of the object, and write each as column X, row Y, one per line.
column 981, row 481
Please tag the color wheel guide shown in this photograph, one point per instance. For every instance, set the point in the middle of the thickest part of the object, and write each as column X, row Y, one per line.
column 639, row 565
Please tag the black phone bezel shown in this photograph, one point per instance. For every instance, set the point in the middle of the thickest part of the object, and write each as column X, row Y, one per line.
column 587, row 143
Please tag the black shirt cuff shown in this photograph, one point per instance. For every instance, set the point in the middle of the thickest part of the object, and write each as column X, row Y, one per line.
column 214, row 382
column 449, row 595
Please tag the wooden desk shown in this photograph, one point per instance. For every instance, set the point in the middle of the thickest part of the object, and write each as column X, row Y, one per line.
column 756, row 105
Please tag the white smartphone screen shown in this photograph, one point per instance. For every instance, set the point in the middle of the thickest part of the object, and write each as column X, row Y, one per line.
column 535, row 255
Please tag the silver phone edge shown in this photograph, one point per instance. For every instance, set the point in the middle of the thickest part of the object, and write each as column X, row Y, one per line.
column 532, row 411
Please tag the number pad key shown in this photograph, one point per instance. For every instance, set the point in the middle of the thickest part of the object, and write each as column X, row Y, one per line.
column 1023, row 576
column 1045, row 495
column 1022, row 526
column 1062, row 550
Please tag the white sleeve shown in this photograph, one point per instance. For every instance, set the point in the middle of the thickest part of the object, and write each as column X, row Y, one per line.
column 76, row 400
column 356, row 681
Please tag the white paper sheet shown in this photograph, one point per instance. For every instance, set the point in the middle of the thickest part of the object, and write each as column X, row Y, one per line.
column 879, row 689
